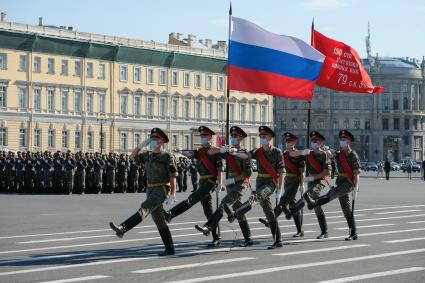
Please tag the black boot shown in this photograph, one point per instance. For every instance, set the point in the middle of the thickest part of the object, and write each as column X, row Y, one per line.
column 353, row 230
column 310, row 202
column 295, row 208
column 274, row 227
column 230, row 215
column 176, row 210
column 126, row 225
column 264, row 221
column 216, row 242
column 167, row 240
column 204, row 229
column 244, row 208
column 323, row 227
column 322, row 200
column 297, row 220
column 246, row 232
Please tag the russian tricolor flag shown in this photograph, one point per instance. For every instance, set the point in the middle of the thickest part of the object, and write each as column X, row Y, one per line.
column 263, row 62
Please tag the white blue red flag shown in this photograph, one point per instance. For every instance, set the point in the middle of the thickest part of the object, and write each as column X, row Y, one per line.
column 263, row 62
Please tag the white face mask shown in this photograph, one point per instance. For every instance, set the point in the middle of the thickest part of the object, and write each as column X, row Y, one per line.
column 204, row 140
column 343, row 143
column 234, row 141
column 264, row 141
column 153, row 144
column 288, row 145
column 314, row 145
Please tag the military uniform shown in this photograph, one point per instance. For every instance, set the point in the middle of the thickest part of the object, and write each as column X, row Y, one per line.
column 38, row 178
column 80, row 175
column 344, row 183
column 10, row 172
column 57, row 180
column 180, row 171
column 207, row 183
column 122, row 167
column 2, row 171
column 29, row 173
column 160, row 168
column 110, row 174
column 69, row 174
column 236, row 167
column 98, row 165
column 193, row 175
column 47, row 165
column 132, row 176
column 20, row 172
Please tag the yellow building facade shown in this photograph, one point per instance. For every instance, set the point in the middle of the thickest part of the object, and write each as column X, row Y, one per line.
column 60, row 89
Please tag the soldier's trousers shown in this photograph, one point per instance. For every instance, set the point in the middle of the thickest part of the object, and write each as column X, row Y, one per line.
column 79, row 181
column 89, row 181
column 131, row 181
column 184, row 181
column 342, row 192
column 121, row 181
column 10, row 179
column 68, row 181
column 194, row 180
column 291, row 185
column 110, row 180
column 153, row 205
column 20, row 178
column 46, row 179
column 98, row 179
column 180, row 181
column 57, row 180
column 264, row 192
column 314, row 190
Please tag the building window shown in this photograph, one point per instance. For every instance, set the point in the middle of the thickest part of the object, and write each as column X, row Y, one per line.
column 51, row 100
column 102, row 71
column 149, row 106
column 294, row 123
column 77, row 100
column 367, row 125
column 385, row 103
column 175, row 78
column 64, row 139
column 263, row 113
column 198, row 110
column 186, row 110
column 220, row 83
column 37, row 138
column 77, row 139
column 64, row 101
column 187, row 141
column 51, row 138
column 123, row 104
column 294, row 105
column 90, row 140
column 415, row 124
column 283, row 124
column 335, row 124
column 89, row 102
column 23, row 98
column 407, row 124
column 102, row 102
column 346, row 124
column 357, row 104
column 3, row 96
column 396, row 124
column 321, row 104
column 356, row 124
column 395, row 104
column 89, row 70
column 123, row 141
column 64, row 68
column 3, row 61
column 162, row 108
column 137, row 105
column 136, row 140
column 175, row 140
column 175, row 105
column 37, row 65
column 405, row 103
column 37, row 99
column 186, row 81
column 50, row 66
column 385, row 124
column 123, row 73
column 3, row 136
column 23, row 63
column 253, row 142
column 406, row 140
column 208, row 82
column 346, row 104
column 150, row 77
column 209, row 110
column 253, row 113
column 22, row 137
column 198, row 81
column 232, row 112
column 162, row 77
column 242, row 110
column 137, row 74
column 77, row 68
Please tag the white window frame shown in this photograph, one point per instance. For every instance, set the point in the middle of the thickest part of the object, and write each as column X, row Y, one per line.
column 220, row 83
column 102, row 72
column 123, row 73
column 90, row 140
column 102, row 102
column 175, row 107
column 90, row 70
column 208, row 82
column 51, row 138
column 37, row 64
column 64, row 67
column 37, row 99
column 3, row 136
column 137, row 109
column 51, row 102
column 3, row 95
column 64, row 108
column 150, row 106
column 198, row 81
column 186, row 79
column 162, row 77
column 23, row 97
column 65, row 139
column 150, row 76
column 124, row 106
column 220, row 111
column 123, row 140
column 242, row 116
column 77, row 68
column 51, row 66
column 3, row 61
column 186, row 109
column 253, row 112
column 137, row 70
column 175, row 78
column 23, row 63
column 209, row 110
column 198, row 109
column 263, row 112
column 77, row 100
column 23, row 141
column 37, row 137
column 162, row 108
column 77, row 141
column 90, row 102
column 137, row 137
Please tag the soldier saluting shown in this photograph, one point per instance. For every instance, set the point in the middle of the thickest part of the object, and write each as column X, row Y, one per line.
column 348, row 164
column 240, row 171
column 209, row 168
column 161, row 174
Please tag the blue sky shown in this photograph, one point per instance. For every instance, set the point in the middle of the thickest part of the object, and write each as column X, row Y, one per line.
column 397, row 26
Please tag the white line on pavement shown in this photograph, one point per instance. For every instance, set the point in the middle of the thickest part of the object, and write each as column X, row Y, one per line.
column 199, row 264
column 64, row 239
column 404, row 240
column 321, row 250
column 296, row 266
column 78, row 279
column 416, row 222
column 340, row 216
column 400, row 211
column 2, row 262
column 373, row 275
column 366, row 226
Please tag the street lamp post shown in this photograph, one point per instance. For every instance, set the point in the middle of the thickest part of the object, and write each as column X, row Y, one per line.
column 101, row 120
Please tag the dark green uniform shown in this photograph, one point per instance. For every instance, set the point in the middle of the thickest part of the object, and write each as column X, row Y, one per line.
column 132, row 177
column 122, row 167
column 193, row 175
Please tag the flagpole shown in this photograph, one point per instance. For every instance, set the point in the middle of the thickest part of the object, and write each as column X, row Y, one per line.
column 309, row 102
column 227, row 84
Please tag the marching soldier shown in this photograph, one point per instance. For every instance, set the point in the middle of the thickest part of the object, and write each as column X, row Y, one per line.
column 110, row 173
column 193, row 175
column 269, row 180
column 132, row 176
column 318, row 169
column 294, row 167
column 80, row 174
column 348, row 164
column 69, row 165
column 122, row 167
column 98, row 165
column 161, row 174
column 209, row 168
column 238, row 182
column 185, row 162
column 20, row 171
column 180, row 170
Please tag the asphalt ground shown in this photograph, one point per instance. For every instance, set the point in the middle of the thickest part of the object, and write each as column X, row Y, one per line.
column 66, row 238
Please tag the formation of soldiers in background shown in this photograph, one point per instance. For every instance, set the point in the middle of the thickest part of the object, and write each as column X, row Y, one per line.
column 69, row 173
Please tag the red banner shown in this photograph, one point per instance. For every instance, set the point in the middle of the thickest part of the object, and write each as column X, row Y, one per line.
column 343, row 69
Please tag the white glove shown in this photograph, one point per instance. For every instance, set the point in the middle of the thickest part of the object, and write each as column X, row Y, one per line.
column 308, row 179
column 144, row 144
column 302, row 188
column 224, row 148
column 305, row 152
column 233, row 151
column 229, row 181
column 170, row 200
column 325, row 147
column 218, row 188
